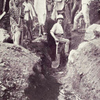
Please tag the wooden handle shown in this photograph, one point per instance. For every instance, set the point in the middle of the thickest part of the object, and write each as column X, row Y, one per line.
column 4, row 4
column 57, row 43
column 2, row 15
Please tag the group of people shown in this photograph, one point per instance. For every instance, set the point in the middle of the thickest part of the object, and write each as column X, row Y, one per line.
column 24, row 12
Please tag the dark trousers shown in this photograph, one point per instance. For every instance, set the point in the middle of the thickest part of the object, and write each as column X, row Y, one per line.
column 29, row 29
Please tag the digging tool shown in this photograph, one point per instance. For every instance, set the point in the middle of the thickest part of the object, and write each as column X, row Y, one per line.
column 55, row 64
column 4, row 4
column 3, row 14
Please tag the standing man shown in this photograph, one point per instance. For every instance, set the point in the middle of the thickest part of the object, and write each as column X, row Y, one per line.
column 40, row 8
column 57, row 33
column 85, row 13
column 29, row 15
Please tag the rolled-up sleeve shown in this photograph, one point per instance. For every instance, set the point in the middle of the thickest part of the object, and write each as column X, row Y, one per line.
column 53, row 29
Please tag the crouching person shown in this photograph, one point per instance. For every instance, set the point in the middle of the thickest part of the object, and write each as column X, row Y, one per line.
column 57, row 33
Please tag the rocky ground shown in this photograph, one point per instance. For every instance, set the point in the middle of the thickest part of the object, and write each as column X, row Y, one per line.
column 16, row 64
column 26, row 73
column 83, row 69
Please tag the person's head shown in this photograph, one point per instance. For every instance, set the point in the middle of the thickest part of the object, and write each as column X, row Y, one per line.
column 26, row 0
column 60, row 19
column 17, row 2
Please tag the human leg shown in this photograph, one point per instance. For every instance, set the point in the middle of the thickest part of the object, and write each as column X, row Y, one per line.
column 17, row 37
column 85, row 11
column 76, row 20
column 74, row 10
column 66, row 42
column 28, row 24
column 41, row 19
column 43, row 25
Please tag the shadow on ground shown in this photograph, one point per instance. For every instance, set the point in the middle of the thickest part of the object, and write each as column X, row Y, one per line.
column 41, row 88
column 42, row 84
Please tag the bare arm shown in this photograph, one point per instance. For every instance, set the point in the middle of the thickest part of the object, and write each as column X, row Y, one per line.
column 53, row 36
column 52, row 31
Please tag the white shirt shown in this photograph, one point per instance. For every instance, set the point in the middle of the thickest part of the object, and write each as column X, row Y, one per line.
column 57, row 29
column 29, row 11
column 86, row 2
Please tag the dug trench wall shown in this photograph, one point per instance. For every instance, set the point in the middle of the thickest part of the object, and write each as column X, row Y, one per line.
column 16, row 65
column 83, row 71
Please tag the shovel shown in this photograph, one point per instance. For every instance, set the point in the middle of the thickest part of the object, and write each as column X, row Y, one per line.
column 55, row 64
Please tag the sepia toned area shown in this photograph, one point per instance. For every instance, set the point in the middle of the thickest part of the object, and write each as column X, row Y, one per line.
column 49, row 50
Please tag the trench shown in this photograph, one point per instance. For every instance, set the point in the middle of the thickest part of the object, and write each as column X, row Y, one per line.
column 43, row 83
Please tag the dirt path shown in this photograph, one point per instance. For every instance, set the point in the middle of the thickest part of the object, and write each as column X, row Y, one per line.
column 76, row 39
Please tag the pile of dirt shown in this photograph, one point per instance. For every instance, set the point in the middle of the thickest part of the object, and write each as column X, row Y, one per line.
column 27, row 74
column 92, row 32
column 82, row 78
column 42, row 85
column 16, row 64
column 94, row 11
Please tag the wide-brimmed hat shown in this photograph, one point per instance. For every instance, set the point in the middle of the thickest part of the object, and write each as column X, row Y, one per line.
column 60, row 17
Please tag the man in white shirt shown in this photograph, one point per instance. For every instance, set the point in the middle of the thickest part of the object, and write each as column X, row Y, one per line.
column 29, row 11
column 57, row 33
column 84, row 12
column 29, row 15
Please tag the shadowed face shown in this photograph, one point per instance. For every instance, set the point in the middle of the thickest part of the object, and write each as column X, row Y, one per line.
column 26, row 0
column 16, row 2
column 60, row 20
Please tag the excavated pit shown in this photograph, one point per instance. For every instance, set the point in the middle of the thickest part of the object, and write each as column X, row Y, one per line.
column 42, row 84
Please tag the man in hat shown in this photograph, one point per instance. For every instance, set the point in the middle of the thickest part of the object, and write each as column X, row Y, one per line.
column 57, row 33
